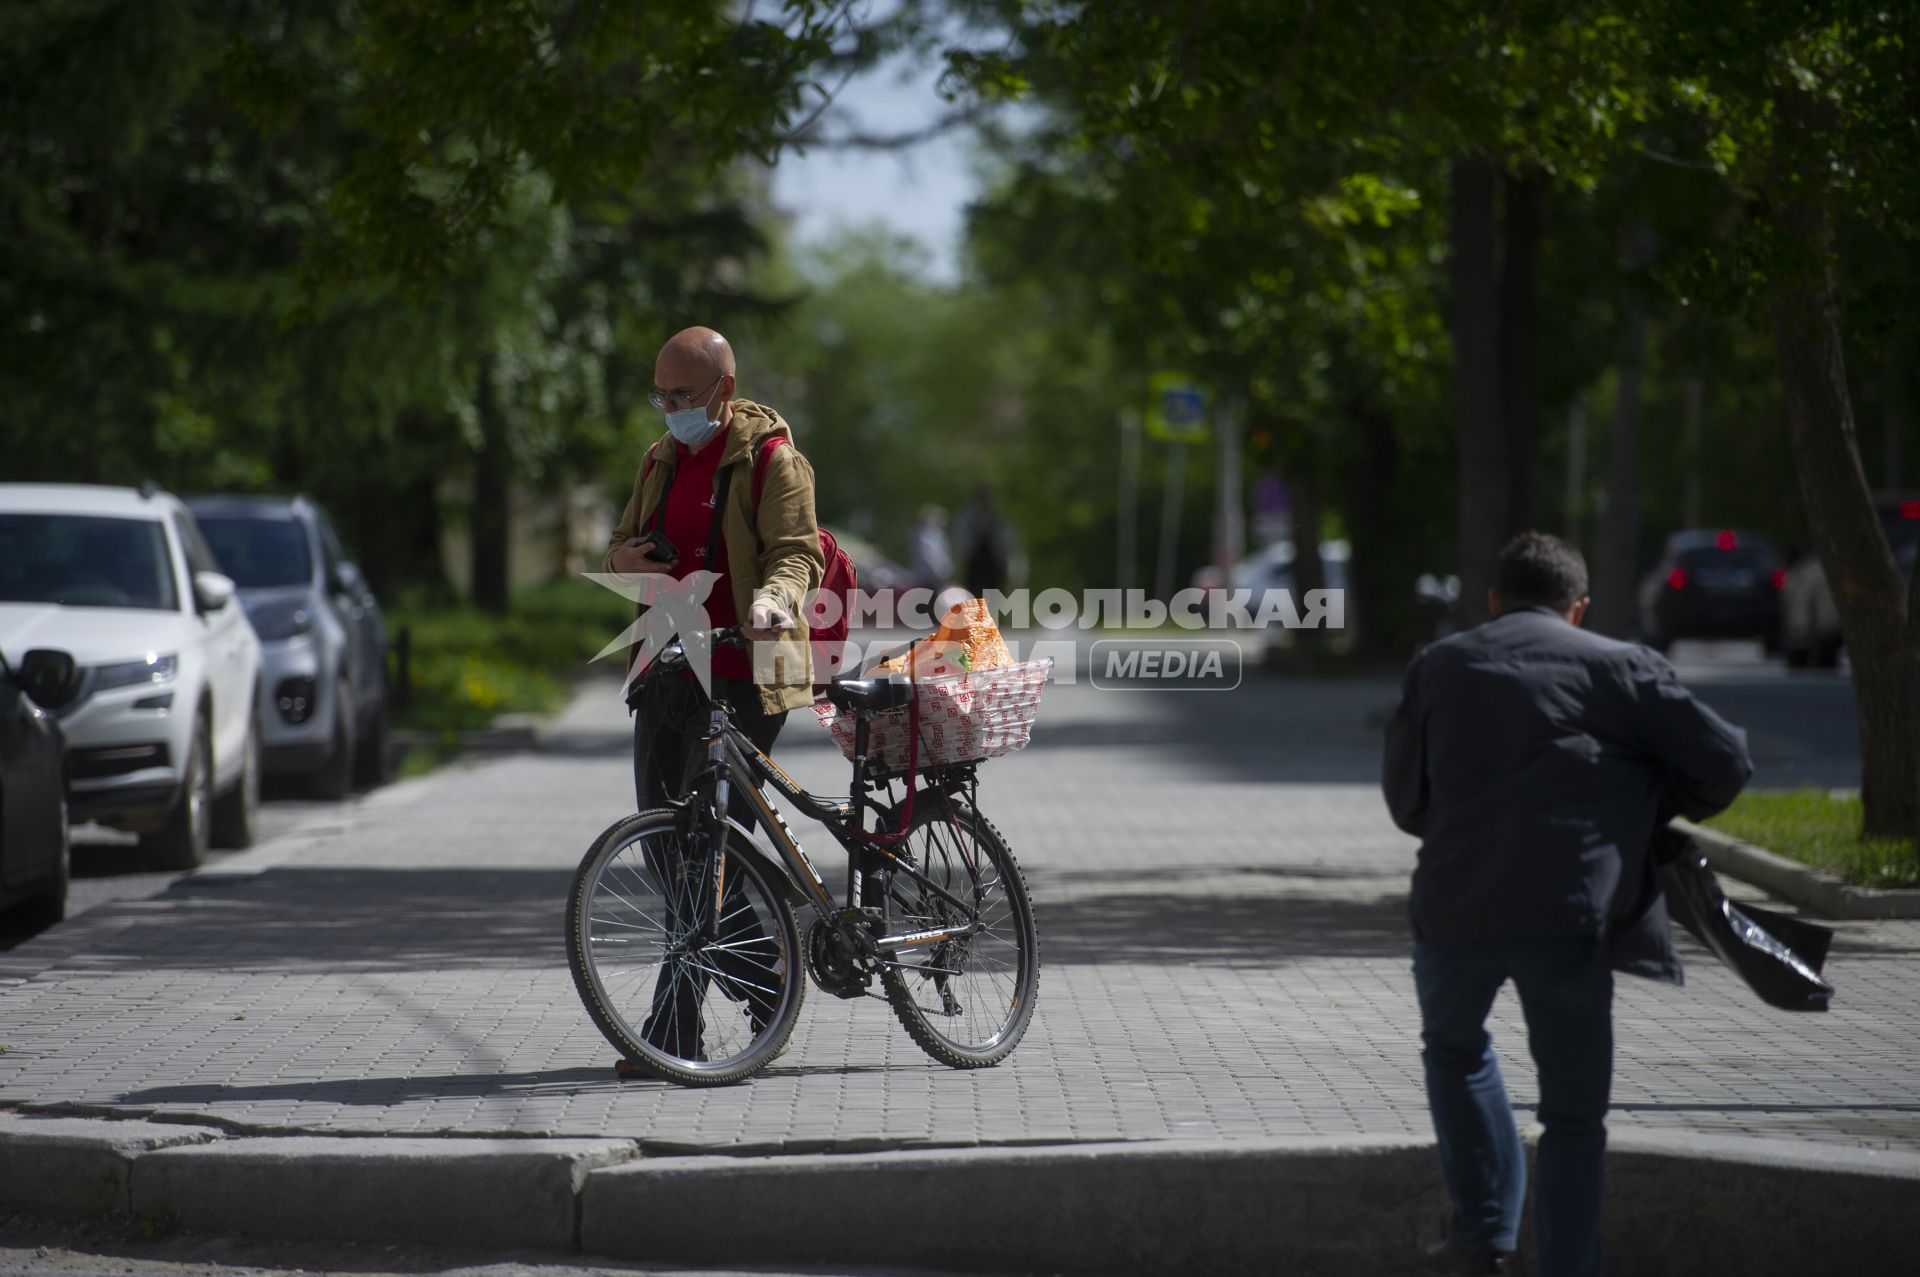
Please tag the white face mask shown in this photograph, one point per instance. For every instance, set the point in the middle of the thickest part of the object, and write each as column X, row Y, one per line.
column 690, row 425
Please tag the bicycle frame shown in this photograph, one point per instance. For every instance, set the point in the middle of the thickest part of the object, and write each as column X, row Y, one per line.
column 732, row 759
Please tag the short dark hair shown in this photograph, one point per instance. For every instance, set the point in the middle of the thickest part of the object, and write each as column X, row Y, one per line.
column 1537, row 568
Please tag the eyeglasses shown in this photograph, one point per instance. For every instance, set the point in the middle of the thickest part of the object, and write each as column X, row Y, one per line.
column 680, row 400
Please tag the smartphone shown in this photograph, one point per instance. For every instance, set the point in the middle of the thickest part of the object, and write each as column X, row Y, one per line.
column 659, row 549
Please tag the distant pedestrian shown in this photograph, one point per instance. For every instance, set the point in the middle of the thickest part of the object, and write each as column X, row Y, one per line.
column 1534, row 760
column 932, row 558
column 986, row 544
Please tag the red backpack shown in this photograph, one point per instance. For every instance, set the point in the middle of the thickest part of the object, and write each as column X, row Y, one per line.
column 829, row 639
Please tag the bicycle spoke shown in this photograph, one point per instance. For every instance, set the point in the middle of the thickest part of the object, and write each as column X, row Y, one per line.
column 965, row 999
column 684, row 996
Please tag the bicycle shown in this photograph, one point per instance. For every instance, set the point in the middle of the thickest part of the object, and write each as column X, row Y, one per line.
column 681, row 933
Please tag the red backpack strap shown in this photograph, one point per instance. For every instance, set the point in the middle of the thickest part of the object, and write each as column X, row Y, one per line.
column 760, row 466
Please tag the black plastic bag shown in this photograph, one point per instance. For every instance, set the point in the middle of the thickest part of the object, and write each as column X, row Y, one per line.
column 1779, row 957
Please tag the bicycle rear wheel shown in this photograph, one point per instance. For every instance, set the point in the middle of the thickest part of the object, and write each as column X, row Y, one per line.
column 694, row 1010
column 967, row 1000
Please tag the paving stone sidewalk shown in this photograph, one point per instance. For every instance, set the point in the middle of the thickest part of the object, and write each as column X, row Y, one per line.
column 1221, row 911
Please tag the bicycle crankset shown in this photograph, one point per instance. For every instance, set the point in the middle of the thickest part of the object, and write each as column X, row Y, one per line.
column 832, row 962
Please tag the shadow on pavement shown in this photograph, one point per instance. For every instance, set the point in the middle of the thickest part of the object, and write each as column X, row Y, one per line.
column 1099, row 918
column 360, row 919
column 378, row 1092
column 357, row 919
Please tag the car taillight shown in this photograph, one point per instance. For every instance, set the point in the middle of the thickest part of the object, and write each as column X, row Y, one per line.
column 1726, row 541
column 1779, row 579
column 1677, row 579
column 1910, row 509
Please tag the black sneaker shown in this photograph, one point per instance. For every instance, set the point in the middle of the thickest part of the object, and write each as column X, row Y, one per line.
column 1444, row 1259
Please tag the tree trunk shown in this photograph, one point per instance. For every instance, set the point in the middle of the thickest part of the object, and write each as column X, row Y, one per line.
column 489, row 521
column 1879, row 628
column 1379, row 593
column 1483, row 478
column 1614, row 605
column 1307, row 571
column 1519, row 289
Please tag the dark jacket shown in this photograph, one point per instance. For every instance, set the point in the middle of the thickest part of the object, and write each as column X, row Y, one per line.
column 1534, row 761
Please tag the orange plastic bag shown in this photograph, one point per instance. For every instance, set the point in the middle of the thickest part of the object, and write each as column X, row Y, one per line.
column 967, row 640
column 971, row 625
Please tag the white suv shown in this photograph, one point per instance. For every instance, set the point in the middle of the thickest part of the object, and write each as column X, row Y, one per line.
column 161, row 719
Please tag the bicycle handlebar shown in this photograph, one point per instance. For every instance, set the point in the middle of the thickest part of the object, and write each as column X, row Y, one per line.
column 673, row 655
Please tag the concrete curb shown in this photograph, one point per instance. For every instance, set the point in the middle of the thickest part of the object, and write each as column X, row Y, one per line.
column 1812, row 889
column 78, row 1167
column 1676, row 1203
column 468, row 1192
column 1301, row 1207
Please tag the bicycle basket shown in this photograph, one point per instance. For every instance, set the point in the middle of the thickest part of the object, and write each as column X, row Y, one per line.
column 963, row 718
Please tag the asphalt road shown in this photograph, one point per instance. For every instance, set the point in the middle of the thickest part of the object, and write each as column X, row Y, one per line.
column 1801, row 728
column 107, row 866
column 1801, row 725
column 40, row 1248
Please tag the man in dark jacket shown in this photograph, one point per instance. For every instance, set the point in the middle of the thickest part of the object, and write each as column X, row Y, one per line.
column 1534, row 760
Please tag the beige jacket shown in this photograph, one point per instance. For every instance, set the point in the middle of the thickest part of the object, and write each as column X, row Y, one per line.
column 772, row 553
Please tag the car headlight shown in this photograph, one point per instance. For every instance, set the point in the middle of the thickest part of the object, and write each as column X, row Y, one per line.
column 282, row 622
column 156, row 668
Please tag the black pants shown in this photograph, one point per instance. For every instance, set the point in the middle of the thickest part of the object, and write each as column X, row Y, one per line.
column 666, row 741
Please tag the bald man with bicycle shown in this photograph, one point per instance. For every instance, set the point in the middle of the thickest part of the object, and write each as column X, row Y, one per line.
column 723, row 490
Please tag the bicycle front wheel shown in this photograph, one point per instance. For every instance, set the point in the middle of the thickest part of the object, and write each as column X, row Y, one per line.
column 702, row 1005
column 966, row 1000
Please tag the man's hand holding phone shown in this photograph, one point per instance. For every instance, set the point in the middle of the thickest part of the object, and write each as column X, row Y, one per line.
column 648, row 552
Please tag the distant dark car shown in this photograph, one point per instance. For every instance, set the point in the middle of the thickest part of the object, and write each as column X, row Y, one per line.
column 33, row 788
column 1712, row 585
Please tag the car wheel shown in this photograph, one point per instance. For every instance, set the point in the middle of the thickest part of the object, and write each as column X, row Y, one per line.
column 48, row 907
column 370, row 752
column 1826, row 653
column 334, row 781
column 235, row 811
column 181, row 843
column 1797, row 658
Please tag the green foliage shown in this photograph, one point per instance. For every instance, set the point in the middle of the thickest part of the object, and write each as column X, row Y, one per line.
column 468, row 666
column 1258, row 191
column 1821, row 827
column 352, row 248
column 905, row 393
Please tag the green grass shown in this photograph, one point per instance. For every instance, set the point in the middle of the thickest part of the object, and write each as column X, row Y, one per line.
column 1817, row 827
column 469, row 666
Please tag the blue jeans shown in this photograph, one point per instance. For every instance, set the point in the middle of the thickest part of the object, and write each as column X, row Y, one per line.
column 1566, row 995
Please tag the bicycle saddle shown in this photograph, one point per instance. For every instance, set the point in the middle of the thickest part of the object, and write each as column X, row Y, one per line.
column 888, row 691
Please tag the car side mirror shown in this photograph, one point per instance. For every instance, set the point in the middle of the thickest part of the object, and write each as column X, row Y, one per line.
column 347, row 579
column 50, row 678
column 212, row 590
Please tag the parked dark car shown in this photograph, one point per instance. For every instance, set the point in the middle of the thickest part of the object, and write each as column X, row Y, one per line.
column 1712, row 585
column 34, row 855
